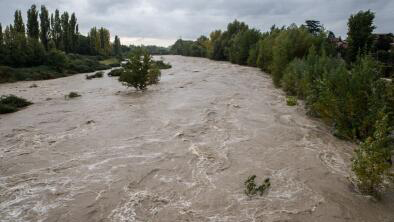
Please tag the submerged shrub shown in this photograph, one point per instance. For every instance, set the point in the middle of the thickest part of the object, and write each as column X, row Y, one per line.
column 252, row 189
column 140, row 72
column 161, row 64
column 72, row 95
column 115, row 72
column 154, row 75
column 96, row 75
column 291, row 101
column 12, row 103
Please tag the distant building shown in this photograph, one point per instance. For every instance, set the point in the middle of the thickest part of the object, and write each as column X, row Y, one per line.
column 340, row 43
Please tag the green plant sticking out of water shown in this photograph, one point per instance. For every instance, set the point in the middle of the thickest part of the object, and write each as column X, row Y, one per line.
column 251, row 188
column 72, row 95
column 291, row 101
column 99, row 74
column 12, row 103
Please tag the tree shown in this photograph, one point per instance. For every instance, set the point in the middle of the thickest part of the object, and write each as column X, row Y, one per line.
column 19, row 26
column 105, row 42
column 65, row 33
column 117, row 47
column 57, row 59
column 1, row 45
column 73, row 29
column 292, row 43
column 140, row 72
column 241, row 45
column 313, row 26
column 32, row 23
column 56, row 29
column 360, row 36
column 45, row 26
column 214, row 37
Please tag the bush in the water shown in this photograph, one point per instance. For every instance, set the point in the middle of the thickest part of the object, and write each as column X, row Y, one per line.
column 96, row 75
column 162, row 65
column 140, row 71
column 12, row 103
column 291, row 101
column 252, row 189
column 72, row 95
column 115, row 72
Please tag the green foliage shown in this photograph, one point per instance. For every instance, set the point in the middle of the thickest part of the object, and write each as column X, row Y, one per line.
column 161, row 64
column 72, row 95
column 45, row 26
column 291, row 43
column 12, row 103
column 57, row 59
column 370, row 163
column 154, row 75
column 99, row 74
column 251, row 189
column 116, row 72
column 113, row 62
column 188, row 48
column 349, row 100
column 140, row 72
column 360, row 36
column 117, row 50
column 151, row 49
column 241, row 45
column 313, row 26
column 32, row 23
column 44, row 43
column 99, row 41
column 291, row 101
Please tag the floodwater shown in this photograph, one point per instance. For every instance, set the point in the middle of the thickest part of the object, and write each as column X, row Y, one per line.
column 180, row 151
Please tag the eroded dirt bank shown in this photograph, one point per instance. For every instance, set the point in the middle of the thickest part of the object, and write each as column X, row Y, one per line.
column 178, row 152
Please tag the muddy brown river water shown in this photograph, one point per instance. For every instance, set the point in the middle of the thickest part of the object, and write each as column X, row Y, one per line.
column 180, row 151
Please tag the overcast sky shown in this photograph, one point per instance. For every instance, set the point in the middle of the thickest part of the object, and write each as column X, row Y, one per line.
column 161, row 22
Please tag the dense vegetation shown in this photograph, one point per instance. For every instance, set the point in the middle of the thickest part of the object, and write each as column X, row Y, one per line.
column 151, row 49
column 11, row 103
column 50, row 46
column 140, row 71
column 346, row 84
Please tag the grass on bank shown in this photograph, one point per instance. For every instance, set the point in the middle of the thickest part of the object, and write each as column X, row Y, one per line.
column 61, row 65
column 113, row 62
column 12, row 103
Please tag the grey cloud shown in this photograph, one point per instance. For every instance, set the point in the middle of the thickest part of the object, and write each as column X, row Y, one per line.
column 170, row 19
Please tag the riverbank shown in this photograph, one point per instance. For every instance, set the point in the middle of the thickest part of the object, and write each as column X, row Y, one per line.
column 70, row 65
column 178, row 152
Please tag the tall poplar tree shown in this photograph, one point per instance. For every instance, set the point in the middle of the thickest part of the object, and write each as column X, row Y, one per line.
column 117, row 46
column 32, row 23
column 45, row 26
column 73, row 28
column 65, row 34
column 19, row 26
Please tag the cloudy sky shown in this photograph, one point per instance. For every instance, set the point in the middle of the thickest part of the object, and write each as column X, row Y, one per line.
column 161, row 22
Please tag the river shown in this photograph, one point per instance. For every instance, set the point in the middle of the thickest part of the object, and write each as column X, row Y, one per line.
column 180, row 151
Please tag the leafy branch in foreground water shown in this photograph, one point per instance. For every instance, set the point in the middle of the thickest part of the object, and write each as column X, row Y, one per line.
column 252, row 189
